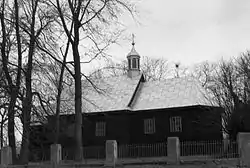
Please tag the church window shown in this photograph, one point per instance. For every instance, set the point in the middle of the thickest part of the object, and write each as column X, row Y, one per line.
column 134, row 63
column 149, row 126
column 100, row 128
column 175, row 124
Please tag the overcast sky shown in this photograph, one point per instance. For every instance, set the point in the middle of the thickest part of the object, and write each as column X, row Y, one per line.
column 189, row 31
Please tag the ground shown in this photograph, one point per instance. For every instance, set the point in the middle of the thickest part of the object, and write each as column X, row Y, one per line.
column 194, row 165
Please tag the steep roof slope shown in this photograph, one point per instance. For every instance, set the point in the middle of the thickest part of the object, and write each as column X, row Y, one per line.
column 109, row 94
column 176, row 92
column 115, row 93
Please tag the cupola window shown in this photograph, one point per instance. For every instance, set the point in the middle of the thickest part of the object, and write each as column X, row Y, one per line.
column 134, row 63
column 129, row 63
column 138, row 63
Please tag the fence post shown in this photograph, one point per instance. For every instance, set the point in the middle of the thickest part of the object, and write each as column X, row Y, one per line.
column 6, row 156
column 55, row 154
column 244, row 148
column 111, row 153
column 173, row 150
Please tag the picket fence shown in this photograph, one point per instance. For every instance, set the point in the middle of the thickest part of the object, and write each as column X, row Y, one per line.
column 212, row 149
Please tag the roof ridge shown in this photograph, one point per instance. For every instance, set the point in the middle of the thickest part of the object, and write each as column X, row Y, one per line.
column 112, row 77
column 174, row 79
column 105, row 77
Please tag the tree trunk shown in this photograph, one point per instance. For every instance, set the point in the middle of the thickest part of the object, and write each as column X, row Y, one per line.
column 78, row 88
column 11, row 90
column 26, row 111
column 78, row 106
column 57, row 122
column 2, row 124
column 24, row 155
column 11, row 124
column 58, row 98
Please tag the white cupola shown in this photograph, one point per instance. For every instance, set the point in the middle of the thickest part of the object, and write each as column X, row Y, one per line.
column 133, row 62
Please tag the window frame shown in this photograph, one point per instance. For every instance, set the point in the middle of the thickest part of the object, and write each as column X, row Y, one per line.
column 149, row 126
column 100, row 129
column 138, row 63
column 129, row 63
column 134, row 63
column 175, row 124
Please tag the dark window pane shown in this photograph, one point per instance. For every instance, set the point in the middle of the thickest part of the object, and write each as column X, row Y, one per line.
column 129, row 63
column 138, row 64
column 134, row 63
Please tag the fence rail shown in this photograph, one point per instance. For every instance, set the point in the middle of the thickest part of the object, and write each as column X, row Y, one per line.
column 142, row 150
column 91, row 152
column 213, row 149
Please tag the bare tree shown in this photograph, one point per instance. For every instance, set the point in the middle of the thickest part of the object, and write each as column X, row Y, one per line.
column 243, row 70
column 228, row 82
column 216, row 78
column 35, row 21
column 89, row 20
column 3, row 105
column 204, row 72
column 152, row 68
column 6, row 47
column 23, row 28
column 178, row 70
column 59, row 92
column 3, row 114
column 155, row 68
column 51, row 76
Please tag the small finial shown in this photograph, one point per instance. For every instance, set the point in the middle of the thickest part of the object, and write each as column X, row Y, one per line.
column 133, row 39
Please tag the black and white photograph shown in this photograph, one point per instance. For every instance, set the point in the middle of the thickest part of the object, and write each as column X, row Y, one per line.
column 124, row 83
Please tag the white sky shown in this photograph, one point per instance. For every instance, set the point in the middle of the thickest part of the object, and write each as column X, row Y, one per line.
column 188, row 31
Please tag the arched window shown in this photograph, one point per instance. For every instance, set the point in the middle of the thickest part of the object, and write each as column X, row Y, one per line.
column 134, row 63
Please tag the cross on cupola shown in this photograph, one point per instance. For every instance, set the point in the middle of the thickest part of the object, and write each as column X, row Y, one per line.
column 133, row 61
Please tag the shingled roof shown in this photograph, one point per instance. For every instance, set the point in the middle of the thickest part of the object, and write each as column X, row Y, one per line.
column 170, row 93
column 114, row 94
column 108, row 94
column 124, row 93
